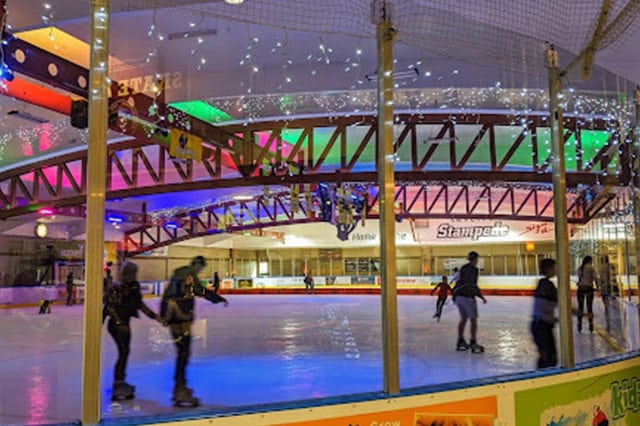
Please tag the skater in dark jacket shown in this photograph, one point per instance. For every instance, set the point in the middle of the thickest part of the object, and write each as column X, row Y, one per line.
column 544, row 318
column 122, row 302
column 177, row 310
column 69, row 285
column 464, row 295
column 443, row 289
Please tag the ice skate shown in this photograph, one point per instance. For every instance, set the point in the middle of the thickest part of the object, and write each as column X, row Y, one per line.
column 476, row 348
column 462, row 345
column 183, row 397
column 122, row 391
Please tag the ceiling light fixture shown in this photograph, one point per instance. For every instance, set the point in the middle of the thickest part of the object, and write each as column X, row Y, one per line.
column 233, row 1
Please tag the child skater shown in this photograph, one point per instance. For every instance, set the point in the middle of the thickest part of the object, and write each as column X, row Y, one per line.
column 443, row 289
column 122, row 302
column 544, row 319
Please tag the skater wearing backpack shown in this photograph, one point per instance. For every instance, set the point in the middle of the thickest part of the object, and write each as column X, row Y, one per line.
column 177, row 311
column 121, row 303
column 464, row 295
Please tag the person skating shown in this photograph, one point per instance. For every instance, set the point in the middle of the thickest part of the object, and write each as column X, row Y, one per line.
column 309, row 284
column 177, row 311
column 443, row 289
column 212, row 290
column 465, row 293
column 69, row 285
column 122, row 302
column 544, row 318
column 586, row 282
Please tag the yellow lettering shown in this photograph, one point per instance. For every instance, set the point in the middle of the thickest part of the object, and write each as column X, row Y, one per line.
column 148, row 84
column 135, row 84
column 123, row 89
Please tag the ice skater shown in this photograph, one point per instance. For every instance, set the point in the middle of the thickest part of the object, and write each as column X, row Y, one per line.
column 69, row 284
column 212, row 291
column 177, row 310
column 443, row 289
column 464, row 295
column 544, row 317
column 586, row 281
column 309, row 284
column 45, row 306
column 122, row 302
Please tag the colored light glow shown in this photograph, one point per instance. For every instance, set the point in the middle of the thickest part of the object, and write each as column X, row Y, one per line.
column 203, row 111
column 171, row 225
column 64, row 45
column 115, row 219
column 46, row 211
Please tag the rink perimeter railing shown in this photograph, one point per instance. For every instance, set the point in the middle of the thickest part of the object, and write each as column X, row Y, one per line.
column 602, row 389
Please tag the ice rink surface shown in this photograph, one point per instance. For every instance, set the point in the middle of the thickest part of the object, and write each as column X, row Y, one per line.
column 261, row 349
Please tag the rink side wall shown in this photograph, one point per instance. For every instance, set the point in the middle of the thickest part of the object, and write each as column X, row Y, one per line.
column 606, row 387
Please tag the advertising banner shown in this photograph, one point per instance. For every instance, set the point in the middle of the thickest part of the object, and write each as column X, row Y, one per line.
column 473, row 412
column 605, row 400
column 185, row 145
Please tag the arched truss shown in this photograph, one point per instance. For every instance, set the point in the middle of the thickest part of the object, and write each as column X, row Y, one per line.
column 237, row 155
column 435, row 200
column 143, row 167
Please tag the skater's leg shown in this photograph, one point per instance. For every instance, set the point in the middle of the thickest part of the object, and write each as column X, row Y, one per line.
column 122, row 336
column 581, row 297
column 182, row 337
column 461, row 326
column 589, row 300
column 439, row 306
column 543, row 337
column 474, row 328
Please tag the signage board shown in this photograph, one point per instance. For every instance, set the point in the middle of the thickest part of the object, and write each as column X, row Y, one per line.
column 185, row 145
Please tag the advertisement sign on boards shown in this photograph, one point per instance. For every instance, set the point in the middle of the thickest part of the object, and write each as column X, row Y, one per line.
column 605, row 400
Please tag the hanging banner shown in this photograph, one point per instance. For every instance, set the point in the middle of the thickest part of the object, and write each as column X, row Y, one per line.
column 185, row 145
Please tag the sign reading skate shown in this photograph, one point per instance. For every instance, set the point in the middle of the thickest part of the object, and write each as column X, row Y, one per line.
column 472, row 232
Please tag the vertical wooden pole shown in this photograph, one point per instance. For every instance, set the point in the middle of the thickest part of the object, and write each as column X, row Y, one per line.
column 96, row 188
column 386, row 182
column 567, row 358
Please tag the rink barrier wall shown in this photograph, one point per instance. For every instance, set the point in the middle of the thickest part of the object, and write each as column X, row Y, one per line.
column 524, row 399
column 363, row 284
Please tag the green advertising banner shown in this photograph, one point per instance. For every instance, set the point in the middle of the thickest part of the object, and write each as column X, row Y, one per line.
column 605, row 400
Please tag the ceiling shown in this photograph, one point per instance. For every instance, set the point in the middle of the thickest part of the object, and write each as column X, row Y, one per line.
column 260, row 48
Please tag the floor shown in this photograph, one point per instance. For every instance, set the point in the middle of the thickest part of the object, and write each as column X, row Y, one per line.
column 260, row 349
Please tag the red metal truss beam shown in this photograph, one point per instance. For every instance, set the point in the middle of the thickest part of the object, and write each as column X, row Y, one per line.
column 315, row 154
column 35, row 62
column 446, row 201
column 142, row 167
column 61, row 182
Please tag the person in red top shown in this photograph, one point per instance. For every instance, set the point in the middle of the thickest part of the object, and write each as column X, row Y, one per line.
column 599, row 418
column 443, row 289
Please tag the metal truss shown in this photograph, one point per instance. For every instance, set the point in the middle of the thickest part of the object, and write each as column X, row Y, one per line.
column 142, row 167
column 433, row 201
column 314, row 155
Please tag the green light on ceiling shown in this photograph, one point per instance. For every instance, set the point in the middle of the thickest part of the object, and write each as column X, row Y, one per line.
column 203, row 111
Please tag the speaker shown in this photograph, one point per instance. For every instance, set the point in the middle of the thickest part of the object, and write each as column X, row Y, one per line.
column 80, row 114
